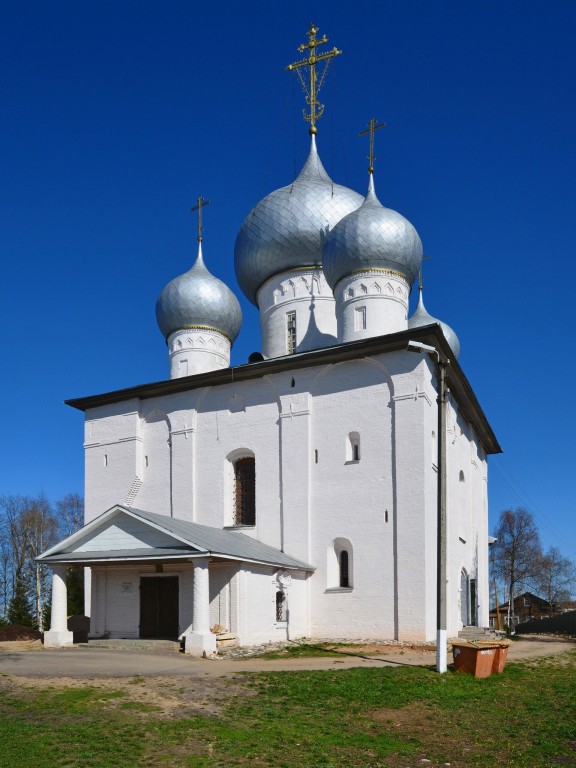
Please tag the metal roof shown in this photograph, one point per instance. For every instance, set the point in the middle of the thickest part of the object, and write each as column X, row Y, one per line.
column 195, row 541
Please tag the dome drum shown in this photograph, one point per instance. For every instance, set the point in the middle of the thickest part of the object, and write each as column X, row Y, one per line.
column 197, row 350
column 297, row 313
column 371, row 303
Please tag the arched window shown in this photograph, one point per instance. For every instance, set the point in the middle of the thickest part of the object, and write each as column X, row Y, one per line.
column 461, row 476
column 244, row 502
column 340, row 565
column 344, row 564
column 353, row 447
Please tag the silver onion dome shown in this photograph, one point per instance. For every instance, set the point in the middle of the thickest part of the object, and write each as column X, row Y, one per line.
column 197, row 298
column 421, row 317
column 287, row 228
column 372, row 237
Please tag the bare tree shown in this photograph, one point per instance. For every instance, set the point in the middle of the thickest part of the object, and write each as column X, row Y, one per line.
column 556, row 578
column 517, row 552
column 40, row 529
column 70, row 513
column 28, row 527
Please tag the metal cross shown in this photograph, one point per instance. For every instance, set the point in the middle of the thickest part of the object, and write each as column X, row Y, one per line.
column 371, row 128
column 420, row 280
column 201, row 204
column 313, row 89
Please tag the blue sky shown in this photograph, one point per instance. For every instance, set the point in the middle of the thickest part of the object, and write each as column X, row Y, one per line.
column 115, row 116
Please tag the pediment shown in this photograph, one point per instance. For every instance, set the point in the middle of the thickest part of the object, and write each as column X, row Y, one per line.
column 123, row 532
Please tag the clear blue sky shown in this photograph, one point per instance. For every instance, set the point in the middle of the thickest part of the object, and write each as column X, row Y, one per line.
column 115, row 116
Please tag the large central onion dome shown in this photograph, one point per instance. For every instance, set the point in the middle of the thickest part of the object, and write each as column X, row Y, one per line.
column 197, row 299
column 287, row 228
column 372, row 237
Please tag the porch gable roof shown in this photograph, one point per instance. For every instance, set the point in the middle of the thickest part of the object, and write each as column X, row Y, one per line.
column 159, row 537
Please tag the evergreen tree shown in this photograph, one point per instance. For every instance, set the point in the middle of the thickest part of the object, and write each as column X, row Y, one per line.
column 19, row 608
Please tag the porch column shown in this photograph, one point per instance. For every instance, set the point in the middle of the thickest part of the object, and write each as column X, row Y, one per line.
column 201, row 642
column 59, row 634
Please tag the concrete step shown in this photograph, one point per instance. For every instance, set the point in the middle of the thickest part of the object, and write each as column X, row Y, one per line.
column 155, row 646
column 479, row 633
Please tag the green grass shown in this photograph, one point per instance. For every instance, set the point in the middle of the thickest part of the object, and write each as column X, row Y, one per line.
column 358, row 718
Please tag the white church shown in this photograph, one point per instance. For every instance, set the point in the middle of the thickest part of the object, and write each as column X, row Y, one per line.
column 308, row 493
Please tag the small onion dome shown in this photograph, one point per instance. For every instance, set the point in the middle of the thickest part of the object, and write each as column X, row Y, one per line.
column 197, row 298
column 372, row 237
column 286, row 229
column 421, row 317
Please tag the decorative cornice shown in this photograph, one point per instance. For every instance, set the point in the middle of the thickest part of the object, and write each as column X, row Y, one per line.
column 186, row 328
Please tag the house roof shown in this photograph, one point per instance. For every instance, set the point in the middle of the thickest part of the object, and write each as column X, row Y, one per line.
column 186, row 541
column 432, row 335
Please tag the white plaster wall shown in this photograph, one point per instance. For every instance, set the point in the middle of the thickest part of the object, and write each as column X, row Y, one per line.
column 112, row 445
column 382, row 295
column 296, row 424
column 305, row 292
column 116, row 599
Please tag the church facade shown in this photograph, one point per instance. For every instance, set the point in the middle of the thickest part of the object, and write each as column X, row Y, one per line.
column 297, row 495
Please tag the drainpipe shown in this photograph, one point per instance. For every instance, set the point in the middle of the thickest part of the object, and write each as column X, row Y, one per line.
column 441, row 542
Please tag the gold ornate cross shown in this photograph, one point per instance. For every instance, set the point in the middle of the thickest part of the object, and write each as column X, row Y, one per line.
column 201, row 204
column 371, row 128
column 313, row 88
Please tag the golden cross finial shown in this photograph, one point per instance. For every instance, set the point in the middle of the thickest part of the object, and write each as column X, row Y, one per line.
column 313, row 88
column 201, row 204
column 371, row 128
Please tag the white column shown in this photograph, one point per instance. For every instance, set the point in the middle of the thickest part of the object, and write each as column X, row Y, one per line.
column 201, row 642
column 58, row 634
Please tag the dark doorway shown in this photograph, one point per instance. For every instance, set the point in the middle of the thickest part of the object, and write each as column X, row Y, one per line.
column 159, row 607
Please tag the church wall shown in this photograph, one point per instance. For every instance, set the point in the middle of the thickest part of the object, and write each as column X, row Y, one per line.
column 349, row 501
column 234, row 421
column 258, row 607
column 467, row 523
column 112, row 451
column 415, row 503
column 311, row 493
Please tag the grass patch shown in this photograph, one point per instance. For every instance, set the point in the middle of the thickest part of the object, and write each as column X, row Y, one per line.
column 357, row 718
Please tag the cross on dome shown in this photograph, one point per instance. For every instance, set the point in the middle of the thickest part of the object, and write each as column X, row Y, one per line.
column 372, row 127
column 313, row 88
column 201, row 203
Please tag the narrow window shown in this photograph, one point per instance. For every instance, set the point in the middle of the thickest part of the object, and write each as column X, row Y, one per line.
column 461, row 476
column 105, row 459
column 316, row 456
column 280, row 606
column 291, row 332
column 360, row 319
column 344, row 569
column 245, row 491
column 353, row 447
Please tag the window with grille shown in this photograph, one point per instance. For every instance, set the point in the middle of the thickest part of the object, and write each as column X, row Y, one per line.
column 245, row 491
column 280, row 606
column 291, row 331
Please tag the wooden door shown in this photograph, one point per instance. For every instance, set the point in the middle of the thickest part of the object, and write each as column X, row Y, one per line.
column 159, row 607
